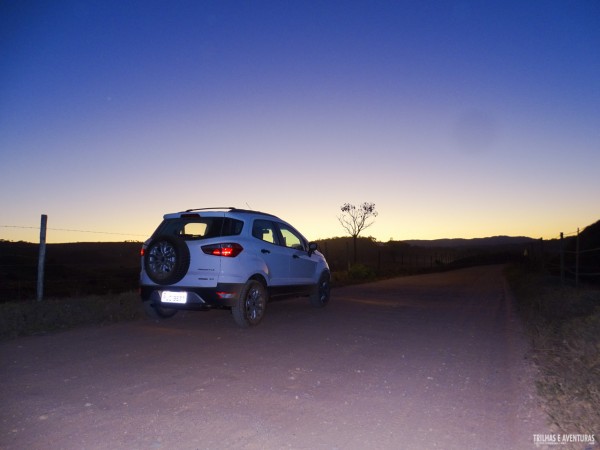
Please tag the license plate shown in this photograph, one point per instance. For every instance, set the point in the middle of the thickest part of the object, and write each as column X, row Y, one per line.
column 173, row 297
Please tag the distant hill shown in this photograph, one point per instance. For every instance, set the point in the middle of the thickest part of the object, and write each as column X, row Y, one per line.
column 495, row 241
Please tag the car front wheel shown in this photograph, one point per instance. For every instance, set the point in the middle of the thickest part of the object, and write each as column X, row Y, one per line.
column 250, row 307
column 321, row 296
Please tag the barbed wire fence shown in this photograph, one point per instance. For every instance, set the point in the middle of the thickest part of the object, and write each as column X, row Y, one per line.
column 580, row 267
column 41, row 263
column 568, row 257
column 74, row 231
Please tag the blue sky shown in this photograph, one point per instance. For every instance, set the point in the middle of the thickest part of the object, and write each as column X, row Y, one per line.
column 457, row 119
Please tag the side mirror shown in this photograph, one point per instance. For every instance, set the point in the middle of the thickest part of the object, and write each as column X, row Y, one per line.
column 312, row 247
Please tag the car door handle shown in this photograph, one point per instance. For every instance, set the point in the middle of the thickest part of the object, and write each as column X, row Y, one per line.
column 264, row 250
column 295, row 257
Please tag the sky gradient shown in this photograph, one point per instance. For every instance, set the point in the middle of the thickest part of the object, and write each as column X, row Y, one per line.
column 457, row 119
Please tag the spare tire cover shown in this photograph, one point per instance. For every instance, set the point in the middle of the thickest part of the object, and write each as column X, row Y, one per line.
column 167, row 259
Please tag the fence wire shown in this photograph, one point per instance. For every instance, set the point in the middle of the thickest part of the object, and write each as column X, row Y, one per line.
column 578, row 262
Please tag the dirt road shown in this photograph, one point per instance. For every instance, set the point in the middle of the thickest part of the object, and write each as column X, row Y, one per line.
column 433, row 361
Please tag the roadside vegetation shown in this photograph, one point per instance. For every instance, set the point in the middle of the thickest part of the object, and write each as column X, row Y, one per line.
column 563, row 323
column 54, row 314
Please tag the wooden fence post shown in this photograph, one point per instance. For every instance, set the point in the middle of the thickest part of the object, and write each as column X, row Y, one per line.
column 562, row 259
column 577, row 260
column 42, row 258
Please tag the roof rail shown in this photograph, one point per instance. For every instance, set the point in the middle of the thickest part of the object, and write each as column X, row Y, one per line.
column 232, row 209
column 251, row 211
column 206, row 209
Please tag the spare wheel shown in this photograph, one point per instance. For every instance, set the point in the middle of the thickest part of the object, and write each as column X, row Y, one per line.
column 167, row 259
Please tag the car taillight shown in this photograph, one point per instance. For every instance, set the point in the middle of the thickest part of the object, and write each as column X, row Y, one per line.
column 230, row 250
column 142, row 252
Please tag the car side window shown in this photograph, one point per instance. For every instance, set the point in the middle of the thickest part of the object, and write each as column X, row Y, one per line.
column 264, row 230
column 291, row 238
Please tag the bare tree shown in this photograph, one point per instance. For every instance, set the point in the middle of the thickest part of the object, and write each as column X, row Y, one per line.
column 356, row 219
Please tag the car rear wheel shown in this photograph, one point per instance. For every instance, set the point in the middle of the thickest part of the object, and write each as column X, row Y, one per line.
column 321, row 296
column 157, row 311
column 250, row 306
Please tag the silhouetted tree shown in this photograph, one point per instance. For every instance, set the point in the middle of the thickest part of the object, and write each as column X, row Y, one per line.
column 355, row 219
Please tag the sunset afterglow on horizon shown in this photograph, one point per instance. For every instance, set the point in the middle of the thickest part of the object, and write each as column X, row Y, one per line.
column 458, row 119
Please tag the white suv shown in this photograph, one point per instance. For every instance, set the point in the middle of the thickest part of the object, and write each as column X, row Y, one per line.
column 229, row 258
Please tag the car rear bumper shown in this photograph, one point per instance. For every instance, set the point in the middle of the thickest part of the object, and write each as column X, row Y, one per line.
column 224, row 295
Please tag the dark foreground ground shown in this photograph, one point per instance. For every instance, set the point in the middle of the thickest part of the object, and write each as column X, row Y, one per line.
column 431, row 361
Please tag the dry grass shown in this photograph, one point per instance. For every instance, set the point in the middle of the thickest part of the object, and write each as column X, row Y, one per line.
column 27, row 318
column 564, row 325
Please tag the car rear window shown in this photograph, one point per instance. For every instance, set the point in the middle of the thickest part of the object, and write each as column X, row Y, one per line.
column 195, row 228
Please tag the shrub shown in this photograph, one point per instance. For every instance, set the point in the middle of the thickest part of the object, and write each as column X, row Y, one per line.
column 360, row 272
